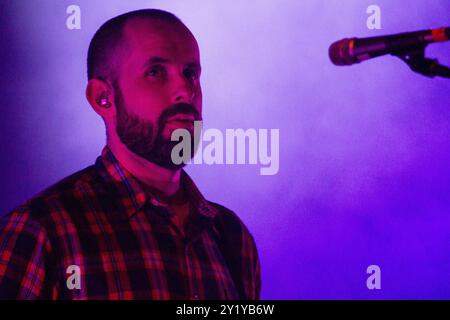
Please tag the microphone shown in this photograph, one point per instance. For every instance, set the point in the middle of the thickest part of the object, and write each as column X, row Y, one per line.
column 348, row 51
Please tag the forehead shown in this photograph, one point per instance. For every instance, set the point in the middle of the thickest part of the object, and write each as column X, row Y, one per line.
column 147, row 38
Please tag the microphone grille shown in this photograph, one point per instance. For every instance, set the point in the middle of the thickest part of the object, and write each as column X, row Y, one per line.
column 339, row 52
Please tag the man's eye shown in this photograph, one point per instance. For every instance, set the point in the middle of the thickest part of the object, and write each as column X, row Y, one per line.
column 191, row 74
column 155, row 71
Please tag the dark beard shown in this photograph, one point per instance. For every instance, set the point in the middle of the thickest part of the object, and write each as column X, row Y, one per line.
column 142, row 138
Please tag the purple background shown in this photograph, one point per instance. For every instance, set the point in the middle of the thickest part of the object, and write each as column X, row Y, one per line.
column 364, row 150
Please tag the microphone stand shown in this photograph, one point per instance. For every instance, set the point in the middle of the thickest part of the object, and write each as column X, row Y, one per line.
column 416, row 60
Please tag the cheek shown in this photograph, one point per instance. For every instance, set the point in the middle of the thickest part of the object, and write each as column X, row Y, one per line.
column 147, row 103
column 198, row 100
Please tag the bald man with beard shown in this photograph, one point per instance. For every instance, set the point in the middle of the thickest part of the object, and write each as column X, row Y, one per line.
column 133, row 225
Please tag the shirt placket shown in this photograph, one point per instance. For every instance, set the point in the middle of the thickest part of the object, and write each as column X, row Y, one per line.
column 192, row 286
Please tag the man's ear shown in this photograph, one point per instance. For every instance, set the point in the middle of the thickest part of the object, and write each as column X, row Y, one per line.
column 100, row 95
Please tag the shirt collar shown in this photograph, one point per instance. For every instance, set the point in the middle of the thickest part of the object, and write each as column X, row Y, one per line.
column 132, row 193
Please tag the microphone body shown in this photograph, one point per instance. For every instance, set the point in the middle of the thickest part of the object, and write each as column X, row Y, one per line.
column 354, row 50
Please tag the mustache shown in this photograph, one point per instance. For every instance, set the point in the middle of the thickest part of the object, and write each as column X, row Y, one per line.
column 183, row 108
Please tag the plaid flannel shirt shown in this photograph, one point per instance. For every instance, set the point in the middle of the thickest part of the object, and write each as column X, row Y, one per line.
column 123, row 244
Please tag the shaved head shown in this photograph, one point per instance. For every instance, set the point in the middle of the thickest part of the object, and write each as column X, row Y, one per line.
column 109, row 42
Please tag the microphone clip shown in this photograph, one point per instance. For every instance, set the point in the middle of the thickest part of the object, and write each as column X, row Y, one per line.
column 415, row 58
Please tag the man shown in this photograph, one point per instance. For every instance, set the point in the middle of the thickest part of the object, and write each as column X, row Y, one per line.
column 133, row 225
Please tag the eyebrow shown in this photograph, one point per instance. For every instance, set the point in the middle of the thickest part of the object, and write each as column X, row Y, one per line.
column 156, row 60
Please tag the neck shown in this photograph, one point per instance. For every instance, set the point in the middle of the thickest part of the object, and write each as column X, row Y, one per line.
column 153, row 176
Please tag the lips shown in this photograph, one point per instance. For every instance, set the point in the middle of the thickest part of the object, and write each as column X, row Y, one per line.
column 181, row 121
column 182, row 118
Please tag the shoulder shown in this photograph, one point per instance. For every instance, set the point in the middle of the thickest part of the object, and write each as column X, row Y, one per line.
column 20, row 221
column 230, row 225
column 239, row 251
column 38, row 209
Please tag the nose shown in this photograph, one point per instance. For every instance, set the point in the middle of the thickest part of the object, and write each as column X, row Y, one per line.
column 183, row 90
